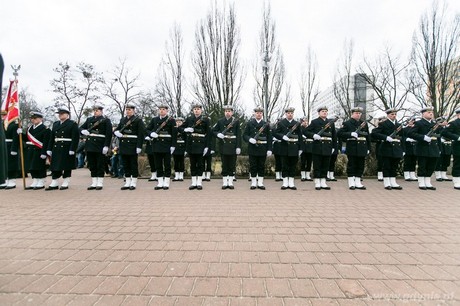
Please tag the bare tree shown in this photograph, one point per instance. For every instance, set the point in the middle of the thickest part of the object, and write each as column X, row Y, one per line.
column 121, row 87
column 76, row 87
column 27, row 104
column 269, row 71
column 435, row 60
column 216, row 61
column 309, row 84
column 387, row 78
column 170, row 80
column 343, row 79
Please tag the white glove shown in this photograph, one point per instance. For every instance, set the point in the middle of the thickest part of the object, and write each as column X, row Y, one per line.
column 105, row 150
column 354, row 134
column 118, row 134
column 185, row 153
column 389, row 139
column 85, row 132
column 14, row 153
column 138, row 150
column 426, row 138
column 252, row 140
column 220, row 135
column 71, row 152
column 316, row 137
column 300, row 152
column 147, row 138
column 43, row 156
column 458, row 139
column 333, row 150
column 285, row 138
column 212, row 151
column 368, row 152
column 404, row 153
column 238, row 151
column 205, row 151
column 19, row 131
column 189, row 130
column 154, row 135
column 172, row 149
column 49, row 153
column 269, row 153
column 443, row 140
column 410, row 139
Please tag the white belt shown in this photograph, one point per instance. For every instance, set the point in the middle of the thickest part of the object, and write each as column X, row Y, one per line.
column 396, row 140
column 29, row 143
column 230, row 137
column 359, row 138
column 8, row 140
column 293, row 140
column 164, row 135
column 434, row 138
column 261, row 141
column 97, row 135
column 181, row 141
column 308, row 140
column 129, row 136
column 198, row 135
column 62, row 139
column 326, row 138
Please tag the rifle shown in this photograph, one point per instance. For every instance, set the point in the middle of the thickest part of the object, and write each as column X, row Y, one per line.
column 162, row 125
column 262, row 128
column 230, row 125
column 96, row 124
column 130, row 121
column 328, row 124
column 438, row 121
column 294, row 127
column 198, row 122
column 360, row 127
column 402, row 124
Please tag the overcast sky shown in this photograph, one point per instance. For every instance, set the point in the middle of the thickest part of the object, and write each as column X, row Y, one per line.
column 40, row 34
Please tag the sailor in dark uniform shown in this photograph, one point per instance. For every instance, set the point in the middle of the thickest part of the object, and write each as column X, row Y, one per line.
column 38, row 136
column 12, row 146
column 355, row 133
column 98, row 132
column 426, row 132
column 322, row 130
column 258, row 135
column 227, row 130
column 452, row 132
column 198, row 129
column 289, row 132
column 178, row 154
column 162, row 130
column 62, row 147
column 444, row 159
column 131, row 131
column 306, row 156
column 389, row 132
column 410, row 159
column 276, row 145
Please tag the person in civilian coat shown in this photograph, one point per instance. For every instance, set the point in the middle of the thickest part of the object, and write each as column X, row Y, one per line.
column 62, row 148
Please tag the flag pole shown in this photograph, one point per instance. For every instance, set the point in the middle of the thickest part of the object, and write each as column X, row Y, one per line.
column 21, row 150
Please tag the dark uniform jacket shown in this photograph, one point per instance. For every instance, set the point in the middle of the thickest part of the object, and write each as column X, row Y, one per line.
column 167, row 133
column 232, row 135
column 201, row 136
column 389, row 149
column 328, row 139
column 181, row 139
column 100, row 129
column 307, row 143
column 355, row 146
column 283, row 128
column 264, row 138
column 64, row 138
column 36, row 137
column 427, row 149
column 133, row 135
column 409, row 146
column 12, row 145
column 452, row 132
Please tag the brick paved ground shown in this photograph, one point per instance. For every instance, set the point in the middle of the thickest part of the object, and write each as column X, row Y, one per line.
column 239, row 247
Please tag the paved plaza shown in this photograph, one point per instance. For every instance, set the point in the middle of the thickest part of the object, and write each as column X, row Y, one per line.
column 230, row 247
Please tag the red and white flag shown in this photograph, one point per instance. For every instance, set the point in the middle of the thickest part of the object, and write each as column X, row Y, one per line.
column 11, row 104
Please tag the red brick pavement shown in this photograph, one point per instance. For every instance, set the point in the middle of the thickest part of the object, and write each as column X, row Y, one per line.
column 232, row 247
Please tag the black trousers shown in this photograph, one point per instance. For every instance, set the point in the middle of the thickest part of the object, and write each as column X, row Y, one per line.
column 289, row 164
column 207, row 160
column 163, row 164
column 456, row 166
column 38, row 173
column 196, row 164
column 130, row 165
column 426, row 166
column 228, row 164
column 179, row 163
column 305, row 161
column 410, row 163
column 64, row 173
column 443, row 162
column 257, row 165
column 332, row 162
column 390, row 166
column 277, row 163
column 13, row 174
column 320, row 165
column 151, row 159
column 96, row 163
column 379, row 163
column 355, row 166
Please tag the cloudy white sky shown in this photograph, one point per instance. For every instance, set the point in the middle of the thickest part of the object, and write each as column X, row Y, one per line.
column 40, row 34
